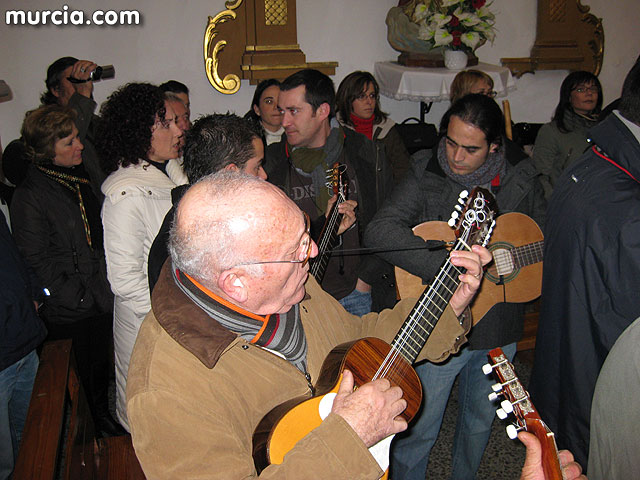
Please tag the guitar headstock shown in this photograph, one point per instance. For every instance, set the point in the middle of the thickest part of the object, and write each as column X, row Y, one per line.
column 474, row 217
column 518, row 402
column 337, row 179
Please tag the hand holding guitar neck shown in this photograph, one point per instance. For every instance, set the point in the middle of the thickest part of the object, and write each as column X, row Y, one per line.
column 372, row 410
column 543, row 461
column 533, row 467
column 347, row 209
column 473, row 262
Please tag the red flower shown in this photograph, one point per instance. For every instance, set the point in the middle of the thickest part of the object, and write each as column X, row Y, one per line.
column 478, row 3
column 455, row 21
column 456, row 38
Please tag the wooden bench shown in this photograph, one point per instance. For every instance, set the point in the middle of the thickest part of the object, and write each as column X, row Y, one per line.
column 44, row 453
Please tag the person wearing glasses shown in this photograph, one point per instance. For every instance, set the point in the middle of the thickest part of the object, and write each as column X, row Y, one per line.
column 358, row 108
column 563, row 140
column 471, row 81
column 238, row 326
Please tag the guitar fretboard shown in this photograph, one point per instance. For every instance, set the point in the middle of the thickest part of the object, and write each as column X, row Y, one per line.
column 328, row 241
column 528, row 254
column 425, row 314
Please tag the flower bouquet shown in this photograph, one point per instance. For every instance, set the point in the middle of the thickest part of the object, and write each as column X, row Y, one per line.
column 431, row 26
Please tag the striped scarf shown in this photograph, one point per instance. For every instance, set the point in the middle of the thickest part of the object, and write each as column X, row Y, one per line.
column 281, row 333
column 71, row 182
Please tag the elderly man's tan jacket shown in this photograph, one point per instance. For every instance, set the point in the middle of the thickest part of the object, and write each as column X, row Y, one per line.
column 196, row 391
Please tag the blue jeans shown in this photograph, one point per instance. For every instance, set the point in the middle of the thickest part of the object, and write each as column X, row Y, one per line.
column 16, row 383
column 410, row 451
column 357, row 303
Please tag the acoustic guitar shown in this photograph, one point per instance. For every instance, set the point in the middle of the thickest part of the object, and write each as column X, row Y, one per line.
column 371, row 358
column 329, row 236
column 514, row 276
column 518, row 402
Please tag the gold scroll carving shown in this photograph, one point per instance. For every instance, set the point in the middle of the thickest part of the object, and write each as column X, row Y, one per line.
column 254, row 40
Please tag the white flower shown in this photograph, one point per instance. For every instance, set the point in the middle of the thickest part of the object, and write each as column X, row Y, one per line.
column 420, row 13
column 470, row 20
column 485, row 13
column 426, row 32
column 440, row 19
column 442, row 37
column 486, row 30
column 449, row 3
column 470, row 39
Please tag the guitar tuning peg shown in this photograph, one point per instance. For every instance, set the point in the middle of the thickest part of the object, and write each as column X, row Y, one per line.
column 458, row 208
column 496, row 387
column 463, row 194
column 493, row 396
column 501, row 414
column 455, row 215
column 512, row 431
column 487, row 369
column 451, row 222
column 506, row 406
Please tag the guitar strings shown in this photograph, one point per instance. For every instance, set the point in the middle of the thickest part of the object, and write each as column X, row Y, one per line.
column 413, row 322
column 324, row 242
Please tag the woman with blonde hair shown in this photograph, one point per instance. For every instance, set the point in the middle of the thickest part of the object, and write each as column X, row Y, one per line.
column 471, row 81
column 56, row 224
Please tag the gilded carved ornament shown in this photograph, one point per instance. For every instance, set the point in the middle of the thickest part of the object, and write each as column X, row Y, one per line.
column 230, row 83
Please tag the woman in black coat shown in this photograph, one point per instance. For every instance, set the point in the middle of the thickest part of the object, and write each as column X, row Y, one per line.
column 56, row 224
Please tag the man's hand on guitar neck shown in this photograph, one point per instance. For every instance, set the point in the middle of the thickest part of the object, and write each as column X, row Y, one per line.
column 347, row 209
column 532, row 469
column 473, row 262
column 372, row 410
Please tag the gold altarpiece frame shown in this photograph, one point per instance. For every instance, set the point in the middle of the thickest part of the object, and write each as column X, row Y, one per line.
column 254, row 40
column 568, row 37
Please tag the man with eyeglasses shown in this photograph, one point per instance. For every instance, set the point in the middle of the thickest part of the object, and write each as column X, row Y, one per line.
column 238, row 327
column 298, row 164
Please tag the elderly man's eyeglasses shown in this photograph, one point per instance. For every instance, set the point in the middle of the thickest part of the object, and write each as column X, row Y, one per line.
column 364, row 96
column 304, row 249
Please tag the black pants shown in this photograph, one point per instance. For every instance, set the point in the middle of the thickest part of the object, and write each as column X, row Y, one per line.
column 91, row 339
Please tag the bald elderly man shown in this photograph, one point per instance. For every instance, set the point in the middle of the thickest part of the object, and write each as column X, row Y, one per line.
column 238, row 327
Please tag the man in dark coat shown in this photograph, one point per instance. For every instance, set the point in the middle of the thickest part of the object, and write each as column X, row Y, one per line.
column 471, row 153
column 298, row 164
column 591, row 270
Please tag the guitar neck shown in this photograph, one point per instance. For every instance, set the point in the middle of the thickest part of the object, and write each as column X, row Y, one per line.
column 527, row 254
column 327, row 242
column 425, row 314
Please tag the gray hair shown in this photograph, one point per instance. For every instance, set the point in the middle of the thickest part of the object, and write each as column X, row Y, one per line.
column 206, row 245
column 172, row 97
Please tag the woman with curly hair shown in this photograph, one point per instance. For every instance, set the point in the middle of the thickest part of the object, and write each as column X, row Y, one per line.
column 56, row 224
column 563, row 140
column 358, row 108
column 138, row 141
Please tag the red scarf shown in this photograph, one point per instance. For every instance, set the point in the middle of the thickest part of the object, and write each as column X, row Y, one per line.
column 363, row 126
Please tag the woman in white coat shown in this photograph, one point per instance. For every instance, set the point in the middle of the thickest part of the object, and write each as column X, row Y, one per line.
column 139, row 144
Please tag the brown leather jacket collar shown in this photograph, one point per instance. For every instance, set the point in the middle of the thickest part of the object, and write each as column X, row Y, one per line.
column 187, row 323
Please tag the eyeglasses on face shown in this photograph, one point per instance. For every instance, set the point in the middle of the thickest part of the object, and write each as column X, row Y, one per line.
column 364, row 96
column 583, row 89
column 488, row 93
column 303, row 249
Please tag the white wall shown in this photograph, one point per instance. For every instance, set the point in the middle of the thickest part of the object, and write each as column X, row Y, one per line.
column 169, row 45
